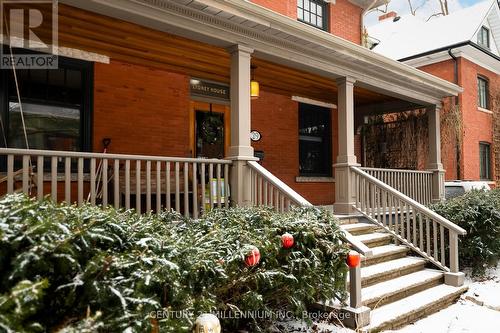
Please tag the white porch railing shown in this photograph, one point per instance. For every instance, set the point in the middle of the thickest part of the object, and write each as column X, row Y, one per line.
column 269, row 190
column 187, row 185
column 411, row 223
column 414, row 184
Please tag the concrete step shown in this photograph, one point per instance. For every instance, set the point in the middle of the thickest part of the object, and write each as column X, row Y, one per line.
column 412, row 308
column 359, row 228
column 390, row 270
column 375, row 239
column 385, row 253
column 393, row 290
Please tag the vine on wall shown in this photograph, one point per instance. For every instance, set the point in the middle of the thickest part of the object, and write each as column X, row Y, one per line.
column 398, row 140
column 496, row 135
column 452, row 135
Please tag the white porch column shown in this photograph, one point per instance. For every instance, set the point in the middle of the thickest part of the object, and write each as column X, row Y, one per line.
column 240, row 150
column 344, row 185
column 434, row 164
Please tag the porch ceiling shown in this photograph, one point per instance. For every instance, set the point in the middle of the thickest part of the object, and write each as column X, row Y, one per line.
column 278, row 39
column 129, row 42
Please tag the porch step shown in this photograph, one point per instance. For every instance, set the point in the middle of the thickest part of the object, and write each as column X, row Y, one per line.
column 390, row 270
column 359, row 228
column 385, row 253
column 412, row 308
column 393, row 290
column 375, row 239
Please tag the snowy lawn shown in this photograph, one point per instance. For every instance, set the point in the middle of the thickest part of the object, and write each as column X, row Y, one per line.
column 477, row 311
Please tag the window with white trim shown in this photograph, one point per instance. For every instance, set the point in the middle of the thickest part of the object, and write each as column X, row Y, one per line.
column 483, row 37
column 483, row 92
column 485, row 161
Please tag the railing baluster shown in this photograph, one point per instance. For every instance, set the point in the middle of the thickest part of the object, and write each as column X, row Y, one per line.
column 116, row 183
column 138, row 187
column 264, row 200
column 219, row 187
column 39, row 177
column 441, row 237
column 211, row 184
column 53, row 177
column 271, row 196
column 177, row 188
column 104, row 182
column 186, row 189
column 203, row 188
column 226, row 185
column 195, row 192
column 427, row 236
column 67, row 180
column 435, row 239
column 127, row 184
column 158, row 187
column 80, row 181
column 10, row 174
column 26, row 174
column 414, row 215
column 168, row 198
column 453, row 251
column 148, row 186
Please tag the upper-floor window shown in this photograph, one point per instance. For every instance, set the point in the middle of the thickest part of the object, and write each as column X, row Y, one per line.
column 313, row 12
column 485, row 161
column 483, row 37
column 483, row 93
column 315, row 141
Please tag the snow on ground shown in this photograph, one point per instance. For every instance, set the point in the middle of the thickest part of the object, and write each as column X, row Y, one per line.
column 477, row 311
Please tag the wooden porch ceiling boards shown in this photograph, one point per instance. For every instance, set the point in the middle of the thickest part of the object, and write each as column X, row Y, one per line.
column 140, row 45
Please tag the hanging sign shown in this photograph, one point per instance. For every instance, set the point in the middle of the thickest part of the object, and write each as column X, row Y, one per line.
column 210, row 89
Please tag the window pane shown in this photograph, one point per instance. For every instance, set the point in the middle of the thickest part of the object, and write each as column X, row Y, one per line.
column 320, row 11
column 314, row 140
column 313, row 8
column 300, row 14
column 306, row 5
column 300, row 3
column 485, row 161
column 47, row 127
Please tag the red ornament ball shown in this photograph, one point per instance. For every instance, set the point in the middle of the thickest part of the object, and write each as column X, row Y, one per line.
column 287, row 241
column 253, row 257
column 353, row 259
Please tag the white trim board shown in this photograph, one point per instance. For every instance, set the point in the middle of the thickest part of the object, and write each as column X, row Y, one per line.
column 313, row 102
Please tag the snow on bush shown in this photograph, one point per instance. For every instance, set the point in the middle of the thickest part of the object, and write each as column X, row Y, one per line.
column 89, row 269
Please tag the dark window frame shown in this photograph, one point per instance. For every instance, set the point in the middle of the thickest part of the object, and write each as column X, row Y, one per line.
column 324, row 17
column 86, row 107
column 485, row 166
column 486, row 104
column 327, row 138
column 481, row 37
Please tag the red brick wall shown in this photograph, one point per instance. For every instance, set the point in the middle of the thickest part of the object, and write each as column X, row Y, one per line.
column 477, row 125
column 285, row 7
column 344, row 17
column 143, row 110
column 345, row 20
column 276, row 118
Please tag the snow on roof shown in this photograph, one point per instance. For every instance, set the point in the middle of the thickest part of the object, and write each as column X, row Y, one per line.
column 411, row 36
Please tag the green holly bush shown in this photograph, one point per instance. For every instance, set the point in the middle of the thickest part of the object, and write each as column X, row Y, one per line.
column 87, row 269
column 478, row 212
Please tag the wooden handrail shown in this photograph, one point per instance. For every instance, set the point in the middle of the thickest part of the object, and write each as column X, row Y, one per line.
column 435, row 216
column 297, row 199
column 53, row 153
column 280, row 185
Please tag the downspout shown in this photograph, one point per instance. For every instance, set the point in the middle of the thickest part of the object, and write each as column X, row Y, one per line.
column 455, row 104
column 364, row 39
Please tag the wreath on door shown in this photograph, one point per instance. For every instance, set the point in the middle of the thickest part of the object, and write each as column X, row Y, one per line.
column 211, row 129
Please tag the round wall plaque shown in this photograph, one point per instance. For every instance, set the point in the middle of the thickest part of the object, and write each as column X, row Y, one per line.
column 255, row 136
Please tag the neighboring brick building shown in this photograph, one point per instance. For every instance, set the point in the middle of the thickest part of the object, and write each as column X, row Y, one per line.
column 463, row 48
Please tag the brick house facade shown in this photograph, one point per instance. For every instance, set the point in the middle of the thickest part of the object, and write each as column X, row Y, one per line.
column 476, row 59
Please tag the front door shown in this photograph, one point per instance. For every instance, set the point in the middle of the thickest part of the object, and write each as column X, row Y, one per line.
column 210, row 130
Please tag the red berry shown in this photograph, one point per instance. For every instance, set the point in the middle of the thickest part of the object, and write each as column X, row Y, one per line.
column 253, row 257
column 287, row 241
